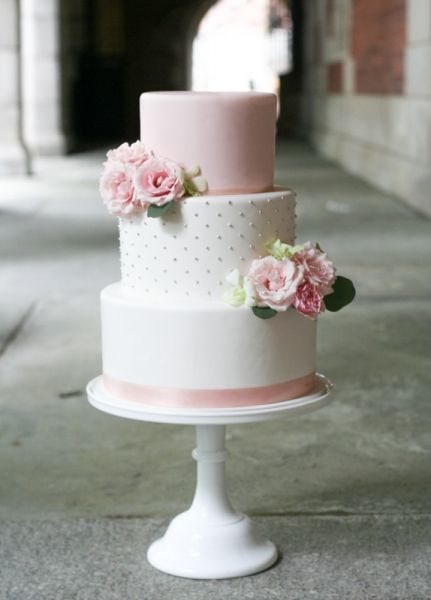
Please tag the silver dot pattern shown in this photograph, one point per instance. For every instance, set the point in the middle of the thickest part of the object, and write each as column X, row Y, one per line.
column 189, row 254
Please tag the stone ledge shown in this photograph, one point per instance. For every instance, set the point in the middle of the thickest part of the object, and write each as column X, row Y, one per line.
column 388, row 171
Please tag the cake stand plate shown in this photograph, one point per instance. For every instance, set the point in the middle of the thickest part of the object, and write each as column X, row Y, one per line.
column 211, row 540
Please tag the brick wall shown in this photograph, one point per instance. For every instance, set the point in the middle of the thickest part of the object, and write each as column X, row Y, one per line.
column 334, row 77
column 378, row 42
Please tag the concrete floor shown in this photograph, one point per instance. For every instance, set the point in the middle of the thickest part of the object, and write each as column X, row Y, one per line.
column 345, row 492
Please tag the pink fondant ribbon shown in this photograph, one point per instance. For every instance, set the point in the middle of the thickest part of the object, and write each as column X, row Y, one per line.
column 223, row 398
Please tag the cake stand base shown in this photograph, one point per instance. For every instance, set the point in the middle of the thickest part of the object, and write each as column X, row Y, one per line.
column 211, row 540
column 189, row 549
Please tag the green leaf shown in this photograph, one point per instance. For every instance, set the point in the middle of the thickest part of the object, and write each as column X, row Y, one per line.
column 157, row 211
column 264, row 312
column 344, row 292
column 318, row 247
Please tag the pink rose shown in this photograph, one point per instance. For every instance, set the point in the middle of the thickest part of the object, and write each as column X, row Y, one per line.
column 317, row 268
column 118, row 191
column 135, row 154
column 309, row 300
column 159, row 181
column 275, row 281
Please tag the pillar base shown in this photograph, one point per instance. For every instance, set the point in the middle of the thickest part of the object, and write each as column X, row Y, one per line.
column 13, row 159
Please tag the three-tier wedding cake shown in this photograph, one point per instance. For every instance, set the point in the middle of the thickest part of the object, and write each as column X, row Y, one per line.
column 216, row 306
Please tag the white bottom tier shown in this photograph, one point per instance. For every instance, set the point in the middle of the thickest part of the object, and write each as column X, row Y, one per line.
column 206, row 354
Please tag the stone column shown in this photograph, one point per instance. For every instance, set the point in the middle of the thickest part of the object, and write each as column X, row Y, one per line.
column 41, row 77
column 417, row 123
column 13, row 159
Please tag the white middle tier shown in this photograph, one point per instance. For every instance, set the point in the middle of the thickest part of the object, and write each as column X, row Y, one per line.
column 188, row 252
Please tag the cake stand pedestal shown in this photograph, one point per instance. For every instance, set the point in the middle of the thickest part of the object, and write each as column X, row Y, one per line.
column 211, row 540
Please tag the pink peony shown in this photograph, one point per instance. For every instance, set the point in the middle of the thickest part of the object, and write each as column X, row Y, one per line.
column 275, row 281
column 135, row 154
column 117, row 189
column 309, row 300
column 159, row 181
column 317, row 268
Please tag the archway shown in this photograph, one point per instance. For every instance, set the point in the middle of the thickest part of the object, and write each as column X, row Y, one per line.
column 242, row 45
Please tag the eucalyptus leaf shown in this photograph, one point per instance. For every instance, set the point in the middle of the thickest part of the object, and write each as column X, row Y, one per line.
column 264, row 312
column 344, row 292
column 157, row 211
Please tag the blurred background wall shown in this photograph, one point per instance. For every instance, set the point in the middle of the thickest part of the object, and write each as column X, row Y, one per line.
column 353, row 76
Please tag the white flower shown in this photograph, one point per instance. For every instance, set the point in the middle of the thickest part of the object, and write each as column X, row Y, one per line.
column 194, row 183
column 241, row 292
column 250, row 292
column 234, row 278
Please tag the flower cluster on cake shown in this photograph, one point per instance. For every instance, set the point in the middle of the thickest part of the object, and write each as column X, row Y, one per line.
column 135, row 180
column 180, row 328
column 300, row 276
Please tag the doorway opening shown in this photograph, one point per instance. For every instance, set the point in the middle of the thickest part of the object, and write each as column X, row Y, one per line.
column 243, row 45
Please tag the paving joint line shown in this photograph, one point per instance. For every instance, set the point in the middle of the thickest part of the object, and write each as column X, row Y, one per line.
column 16, row 330
column 335, row 513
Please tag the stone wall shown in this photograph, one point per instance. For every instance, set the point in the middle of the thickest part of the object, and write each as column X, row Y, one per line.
column 367, row 91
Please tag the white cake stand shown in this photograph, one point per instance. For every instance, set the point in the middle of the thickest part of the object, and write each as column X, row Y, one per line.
column 210, row 540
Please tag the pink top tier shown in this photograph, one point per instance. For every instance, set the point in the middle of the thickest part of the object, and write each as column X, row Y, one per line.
column 230, row 135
